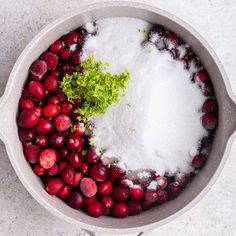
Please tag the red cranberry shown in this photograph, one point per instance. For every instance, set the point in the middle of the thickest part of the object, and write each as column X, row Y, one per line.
column 57, row 140
column 208, row 90
column 174, row 190
column 62, row 122
column 84, row 168
column 98, row 172
column 27, row 144
column 26, row 135
column 51, row 110
column 120, row 194
column 66, row 55
column 62, row 165
column 198, row 161
column 162, row 196
column 120, row 210
column 38, row 111
column 74, row 143
column 116, row 172
column 107, row 201
column 74, row 160
column 95, row 209
column 209, row 121
column 63, row 153
column 54, row 170
column 71, row 38
column 76, row 200
column 105, row 187
column 50, row 59
column 44, row 126
column 64, row 194
column 106, row 211
column 76, row 57
column 51, row 83
column 55, row 72
column 54, row 100
column 37, row 70
column 90, row 200
column 79, row 129
column 55, row 186
column 41, row 141
column 77, row 178
column 37, row 90
column 88, row 187
column 26, row 93
column 136, row 194
column 202, row 76
column 57, row 47
column 92, row 156
column 32, row 153
column 135, row 208
column 48, row 158
column 66, row 108
column 68, row 175
column 39, row 170
column 26, row 103
column 209, row 106
column 28, row 119
column 145, row 205
column 150, row 195
column 182, row 179
column 162, row 182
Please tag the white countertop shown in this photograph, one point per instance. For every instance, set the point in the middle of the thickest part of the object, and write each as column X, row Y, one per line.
column 20, row 214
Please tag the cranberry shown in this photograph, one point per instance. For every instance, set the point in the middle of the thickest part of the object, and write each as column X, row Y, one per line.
column 78, row 176
column 37, row 70
column 68, row 175
column 76, row 200
column 48, row 158
column 116, row 172
column 162, row 196
column 37, row 90
column 120, row 194
column 107, row 201
column 50, row 59
column 74, row 143
column 54, row 100
column 145, row 205
column 174, row 189
column 150, row 195
column 38, row 111
column 26, row 135
column 135, row 208
column 62, row 97
column 64, row 194
column 26, row 103
column 90, row 200
column 198, row 161
column 84, row 168
column 98, row 172
column 120, row 210
column 88, row 187
column 66, row 55
column 76, row 57
column 136, row 193
column 209, row 121
column 27, row 144
column 66, row 108
column 57, row 140
column 62, row 122
column 74, row 160
column 55, row 186
column 41, row 141
column 106, row 211
column 182, row 179
column 92, row 156
column 63, row 153
column 51, row 110
column 32, row 153
column 56, row 72
column 44, row 126
column 57, row 47
column 53, row 170
column 69, row 72
column 28, row 119
column 95, row 209
column 62, row 165
column 39, row 170
column 162, row 182
column 79, row 129
column 208, row 90
column 174, row 39
column 71, row 38
column 66, row 66
column 202, row 76
column 51, row 83
column 209, row 106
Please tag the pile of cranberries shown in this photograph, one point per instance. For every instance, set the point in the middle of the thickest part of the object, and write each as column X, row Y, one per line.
column 69, row 168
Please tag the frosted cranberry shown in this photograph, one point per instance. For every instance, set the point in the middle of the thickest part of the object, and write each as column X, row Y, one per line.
column 66, row 55
column 116, row 172
column 88, row 187
column 66, row 108
column 28, row 119
column 208, row 90
column 145, row 205
column 57, row 46
column 136, row 194
column 57, row 140
column 53, row 170
column 202, row 76
column 78, row 176
column 48, row 158
column 92, row 156
column 209, row 121
column 76, row 57
column 174, row 190
column 174, row 39
column 37, row 90
column 51, row 83
column 68, row 175
column 50, row 59
column 98, row 172
column 105, row 187
column 74, row 143
column 106, row 211
column 44, row 126
column 76, row 200
column 64, row 194
column 107, row 201
column 84, row 168
column 54, row 100
column 120, row 194
column 38, row 111
column 162, row 182
column 198, row 161
column 182, row 179
column 63, row 153
column 209, row 106
column 120, row 210
column 26, row 135
column 150, row 195
column 26, row 103
column 162, row 196
column 95, row 209
column 62, row 122
column 32, row 153
column 74, row 160
column 62, row 165
column 55, row 186
column 51, row 110
column 39, row 170
column 90, row 200
column 37, row 70
column 79, row 129
column 71, row 38
column 41, row 141
column 135, row 208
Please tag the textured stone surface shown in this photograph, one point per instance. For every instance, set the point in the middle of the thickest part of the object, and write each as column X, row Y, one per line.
column 21, row 215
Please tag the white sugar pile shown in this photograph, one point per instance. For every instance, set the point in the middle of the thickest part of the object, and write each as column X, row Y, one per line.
column 156, row 125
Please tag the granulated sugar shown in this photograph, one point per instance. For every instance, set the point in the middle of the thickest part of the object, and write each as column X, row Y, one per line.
column 157, row 123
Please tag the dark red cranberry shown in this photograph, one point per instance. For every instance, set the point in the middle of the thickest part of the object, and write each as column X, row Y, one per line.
column 74, row 143
column 145, row 205
column 98, row 172
column 57, row 140
column 26, row 103
column 76, row 200
column 120, row 194
column 135, row 208
column 63, row 153
column 66, row 66
column 68, row 175
column 69, row 72
column 162, row 196
column 95, row 209
column 51, row 83
column 41, row 141
column 44, row 126
column 70, row 38
column 84, row 168
column 92, row 156
column 28, row 119
column 38, row 111
column 209, row 121
column 88, row 187
column 62, row 96
column 51, row 110
column 120, row 210
column 106, row 211
column 76, row 57
column 48, row 158
column 74, row 160
column 116, row 172
column 150, row 195
column 54, row 100
column 202, row 76
column 50, row 59
column 174, row 189
column 27, row 144
column 198, row 161
column 90, row 200
column 208, row 90
column 26, row 135
column 62, row 122
column 32, row 153
column 107, row 201
column 105, row 187
column 37, row 90
column 182, row 179
column 64, row 194
column 136, row 193
column 54, row 170
column 26, row 93
column 79, row 129
column 77, row 178
column 209, row 106
column 57, row 46
column 66, row 55
column 37, row 70
column 39, row 170
column 66, row 108
column 55, row 186
column 62, row 165
column 56, row 72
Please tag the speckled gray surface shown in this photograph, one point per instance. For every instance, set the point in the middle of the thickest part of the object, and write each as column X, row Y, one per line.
column 20, row 214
